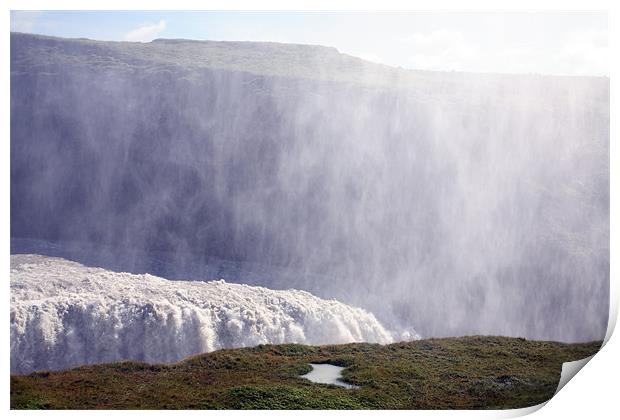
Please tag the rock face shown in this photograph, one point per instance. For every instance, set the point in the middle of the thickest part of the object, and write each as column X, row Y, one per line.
column 64, row 314
column 458, row 203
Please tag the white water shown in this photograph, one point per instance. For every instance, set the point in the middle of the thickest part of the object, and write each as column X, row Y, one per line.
column 325, row 373
column 64, row 314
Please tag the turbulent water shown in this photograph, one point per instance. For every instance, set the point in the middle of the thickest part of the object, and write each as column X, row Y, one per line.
column 64, row 314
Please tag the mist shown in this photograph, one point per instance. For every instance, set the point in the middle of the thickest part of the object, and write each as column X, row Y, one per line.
column 452, row 203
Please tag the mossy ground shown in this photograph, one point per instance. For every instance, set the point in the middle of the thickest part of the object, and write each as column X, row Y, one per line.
column 451, row 373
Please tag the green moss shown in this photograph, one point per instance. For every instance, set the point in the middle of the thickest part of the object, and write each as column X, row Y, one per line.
column 290, row 398
column 34, row 403
column 466, row 372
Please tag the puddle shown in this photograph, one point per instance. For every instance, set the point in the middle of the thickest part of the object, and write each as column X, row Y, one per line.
column 327, row 374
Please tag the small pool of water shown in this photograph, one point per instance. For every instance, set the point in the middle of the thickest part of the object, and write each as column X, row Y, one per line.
column 327, row 374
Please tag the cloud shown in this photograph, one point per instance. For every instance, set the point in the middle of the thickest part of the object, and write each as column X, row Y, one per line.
column 146, row 33
column 24, row 20
column 586, row 52
column 581, row 53
column 441, row 50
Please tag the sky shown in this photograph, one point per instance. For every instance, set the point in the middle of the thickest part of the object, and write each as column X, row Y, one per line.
column 560, row 43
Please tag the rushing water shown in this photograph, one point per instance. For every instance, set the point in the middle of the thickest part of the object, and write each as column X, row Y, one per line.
column 64, row 314
column 325, row 373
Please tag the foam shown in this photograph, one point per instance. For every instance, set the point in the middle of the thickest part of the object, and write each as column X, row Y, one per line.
column 64, row 314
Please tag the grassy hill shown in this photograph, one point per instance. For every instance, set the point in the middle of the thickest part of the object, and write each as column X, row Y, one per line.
column 47, row 54
column 313, row 62
column 452, row 373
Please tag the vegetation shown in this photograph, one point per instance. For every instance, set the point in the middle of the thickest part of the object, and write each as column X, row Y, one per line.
column 452, row 373
column 46, row 54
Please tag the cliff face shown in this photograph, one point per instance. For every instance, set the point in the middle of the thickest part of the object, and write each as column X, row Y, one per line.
column 456, row 203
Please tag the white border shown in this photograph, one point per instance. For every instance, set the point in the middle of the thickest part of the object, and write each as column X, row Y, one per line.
column 453, row 5
column 592, row 395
